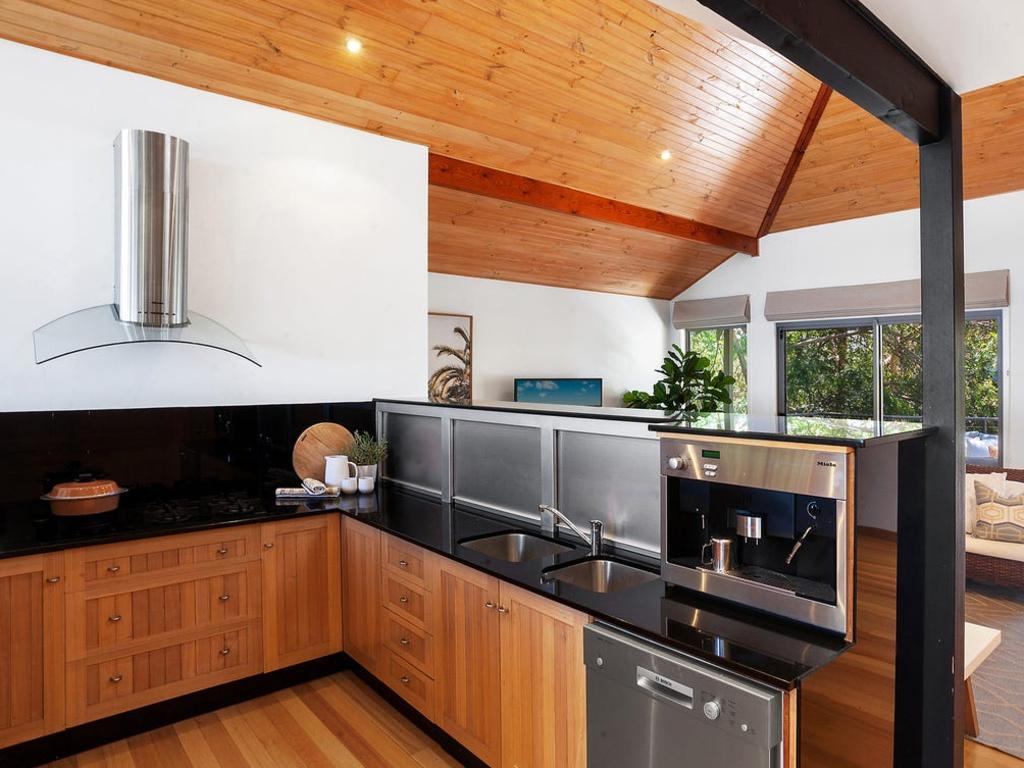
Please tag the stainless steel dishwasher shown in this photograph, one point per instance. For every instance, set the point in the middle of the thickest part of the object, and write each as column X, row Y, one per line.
column 651, row 707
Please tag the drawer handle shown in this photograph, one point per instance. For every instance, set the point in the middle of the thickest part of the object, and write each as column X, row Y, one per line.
column 113, row 568
column 403, row 599
column 53, row 580
column 224, row 598
column 225, row 651
column 116, row 678
column 489, row 604
column 502, row 609
column 114, row 619
column 404, row 563
column 404, row 679
column 269, row 545
column 403, row 640
column 222, row 551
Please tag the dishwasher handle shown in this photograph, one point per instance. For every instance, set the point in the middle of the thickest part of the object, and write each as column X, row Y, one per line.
column 664, row 688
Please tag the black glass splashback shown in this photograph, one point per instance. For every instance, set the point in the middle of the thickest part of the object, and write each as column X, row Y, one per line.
column 161, row 453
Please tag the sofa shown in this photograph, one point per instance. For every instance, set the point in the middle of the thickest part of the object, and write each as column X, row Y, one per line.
column 994, row 562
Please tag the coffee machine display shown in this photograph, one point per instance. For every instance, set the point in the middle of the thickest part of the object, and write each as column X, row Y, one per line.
column 762, row 525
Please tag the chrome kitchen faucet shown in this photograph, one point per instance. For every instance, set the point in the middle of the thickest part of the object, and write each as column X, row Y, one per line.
column 548, row 522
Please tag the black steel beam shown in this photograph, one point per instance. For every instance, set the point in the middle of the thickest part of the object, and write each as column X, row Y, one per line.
column 845, row 46
column 930, row 596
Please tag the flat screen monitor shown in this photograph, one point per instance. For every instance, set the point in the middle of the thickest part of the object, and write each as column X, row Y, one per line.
column 559, row 391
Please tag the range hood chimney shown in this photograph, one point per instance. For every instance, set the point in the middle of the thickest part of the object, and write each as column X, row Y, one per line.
column 150, row 260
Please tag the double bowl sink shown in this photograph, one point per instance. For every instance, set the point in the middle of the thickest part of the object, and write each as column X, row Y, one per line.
column 596, row 574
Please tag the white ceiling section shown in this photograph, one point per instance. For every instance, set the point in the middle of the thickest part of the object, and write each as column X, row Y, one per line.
column 969, row 43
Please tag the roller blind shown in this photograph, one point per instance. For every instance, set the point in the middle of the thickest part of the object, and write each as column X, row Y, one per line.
column 982, row 290
column 711, row 313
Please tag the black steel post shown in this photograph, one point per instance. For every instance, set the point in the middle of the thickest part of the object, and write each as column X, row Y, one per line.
column 930, row 607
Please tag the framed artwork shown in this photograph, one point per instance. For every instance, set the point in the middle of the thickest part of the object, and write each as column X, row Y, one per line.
column 449, row 357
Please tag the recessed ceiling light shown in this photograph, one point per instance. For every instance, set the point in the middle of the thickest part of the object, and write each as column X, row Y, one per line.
column 666, row 154
column 354, row 45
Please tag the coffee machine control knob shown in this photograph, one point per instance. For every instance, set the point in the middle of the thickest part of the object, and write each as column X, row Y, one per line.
column 712, row 710
column 677, row 462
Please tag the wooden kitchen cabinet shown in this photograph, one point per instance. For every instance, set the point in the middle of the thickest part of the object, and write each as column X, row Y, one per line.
column 468, row 693
column 543, row 683
column 301, row 590
column 361, row 579
column 31, row 647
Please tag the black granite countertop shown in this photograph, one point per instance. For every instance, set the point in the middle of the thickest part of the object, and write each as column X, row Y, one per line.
column 775, row 652
column 852, row 433
column 542, row 409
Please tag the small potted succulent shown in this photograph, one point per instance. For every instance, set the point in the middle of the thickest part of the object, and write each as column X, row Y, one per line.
column 367, row 453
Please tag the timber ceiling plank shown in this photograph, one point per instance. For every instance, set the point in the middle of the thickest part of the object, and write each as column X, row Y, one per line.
column 581, row 94
column 856, row 166
column 480, row 236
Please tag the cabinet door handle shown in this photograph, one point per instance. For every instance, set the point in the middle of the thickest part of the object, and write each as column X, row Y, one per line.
column 114, row 619
column 269, row 545
column 502, row 609
column 404, row 563
column 225, row 651
column 489, row 604
column 404, row 679
column 403, row 640
column 403, row 599
column 116, row 678
column 113, row 568
column 224, row 598
column 53, row 580
column 222, row 551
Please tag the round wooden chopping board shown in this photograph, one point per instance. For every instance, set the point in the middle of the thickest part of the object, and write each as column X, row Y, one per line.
column 315, row 443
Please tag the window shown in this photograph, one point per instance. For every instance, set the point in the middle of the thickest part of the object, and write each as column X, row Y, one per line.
column 872, row 369
column 727, row 350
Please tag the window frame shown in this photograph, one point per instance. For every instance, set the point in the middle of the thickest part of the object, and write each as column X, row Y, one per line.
column 878, row 382
column 727, row 353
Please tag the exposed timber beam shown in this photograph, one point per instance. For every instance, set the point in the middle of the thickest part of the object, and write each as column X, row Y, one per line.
column 845, row 46
column 803, row 140
column 469, row 177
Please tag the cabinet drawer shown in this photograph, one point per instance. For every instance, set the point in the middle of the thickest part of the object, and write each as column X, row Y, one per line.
column 105, row 686
column 106, row 621
column 410, row 643
column 111, row 563
column 409, row 683
column 412, row 603
column 407, row 560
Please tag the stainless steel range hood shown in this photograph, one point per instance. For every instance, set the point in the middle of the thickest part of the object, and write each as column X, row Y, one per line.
column 150, row 261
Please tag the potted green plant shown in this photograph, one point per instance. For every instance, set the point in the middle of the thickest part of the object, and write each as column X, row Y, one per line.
column 367, row 453
column 687, row 387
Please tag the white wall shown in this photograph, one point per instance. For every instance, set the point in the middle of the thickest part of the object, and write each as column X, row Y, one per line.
column 533, row 330
column 308, row 239
column 870, row 250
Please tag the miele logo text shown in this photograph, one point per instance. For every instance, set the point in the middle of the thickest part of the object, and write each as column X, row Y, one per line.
column 827, row 464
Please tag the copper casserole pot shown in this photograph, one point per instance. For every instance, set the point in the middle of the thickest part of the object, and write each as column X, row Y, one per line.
column 84, row 496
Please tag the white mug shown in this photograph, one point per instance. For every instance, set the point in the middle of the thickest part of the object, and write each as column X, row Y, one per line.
column 366, row 485
column 349, row 485
column 336, row 469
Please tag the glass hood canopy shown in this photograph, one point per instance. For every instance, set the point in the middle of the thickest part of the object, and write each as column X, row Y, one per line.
column 100, row 327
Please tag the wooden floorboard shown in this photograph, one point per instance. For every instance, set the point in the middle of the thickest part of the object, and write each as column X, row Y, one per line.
column 334, row 722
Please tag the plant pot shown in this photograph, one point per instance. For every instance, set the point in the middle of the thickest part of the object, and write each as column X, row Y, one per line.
column 367, row 470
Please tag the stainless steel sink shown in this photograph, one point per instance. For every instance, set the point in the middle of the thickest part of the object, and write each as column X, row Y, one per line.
column 600, row 575
column 515, row 547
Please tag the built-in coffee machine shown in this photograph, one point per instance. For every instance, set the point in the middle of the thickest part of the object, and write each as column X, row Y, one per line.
column 761, row 524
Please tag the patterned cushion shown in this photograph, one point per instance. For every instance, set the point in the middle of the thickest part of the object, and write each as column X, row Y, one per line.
column 1000, row 518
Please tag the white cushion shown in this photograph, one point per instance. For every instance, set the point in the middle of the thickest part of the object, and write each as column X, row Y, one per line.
column 1004, row 550
column 996, row 481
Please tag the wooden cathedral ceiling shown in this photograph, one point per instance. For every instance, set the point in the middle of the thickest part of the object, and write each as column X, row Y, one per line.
column 856, row 166
column 576, row 93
